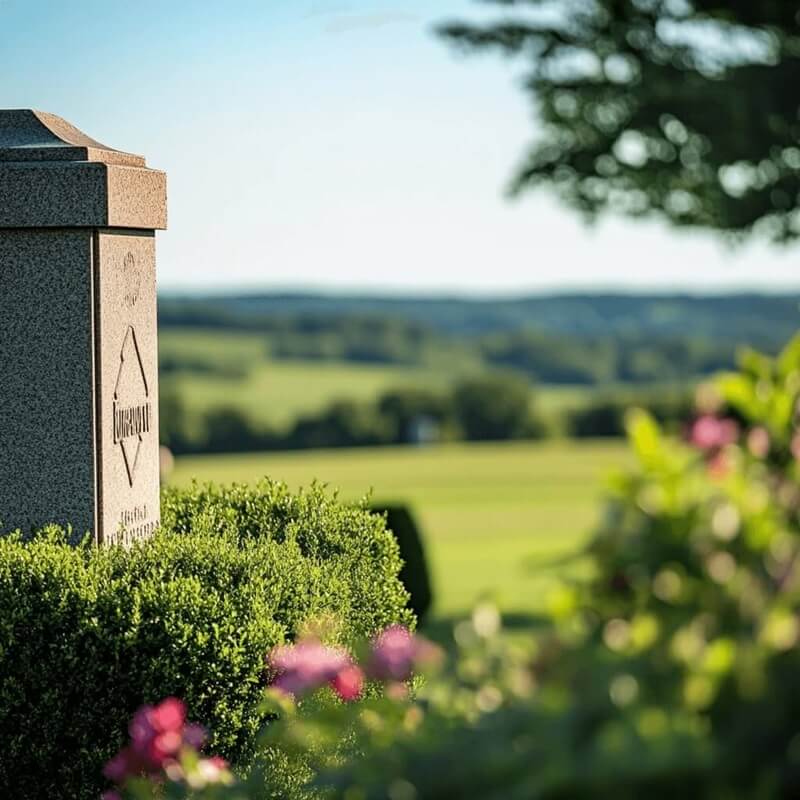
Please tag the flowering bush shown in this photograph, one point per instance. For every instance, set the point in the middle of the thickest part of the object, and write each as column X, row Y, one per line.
column 163, row 754
column 671, row 666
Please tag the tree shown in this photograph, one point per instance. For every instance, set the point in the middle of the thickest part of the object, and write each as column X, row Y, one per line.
column 494, row 407
column 683, row 109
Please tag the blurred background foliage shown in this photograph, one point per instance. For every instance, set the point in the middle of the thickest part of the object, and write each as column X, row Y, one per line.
column 683, row 109
column 666, row 668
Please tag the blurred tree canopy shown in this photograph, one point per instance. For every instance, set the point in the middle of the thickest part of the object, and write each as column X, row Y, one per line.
column 686, row 109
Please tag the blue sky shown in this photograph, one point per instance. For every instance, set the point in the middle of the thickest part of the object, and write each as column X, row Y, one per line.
column 336, row 144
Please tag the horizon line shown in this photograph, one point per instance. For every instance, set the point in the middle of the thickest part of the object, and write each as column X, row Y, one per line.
column 408, row 293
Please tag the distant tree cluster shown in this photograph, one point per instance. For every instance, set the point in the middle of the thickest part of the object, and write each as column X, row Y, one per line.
column 686, row 109
column 489, row 408
column 494, row 407
column 625, row 359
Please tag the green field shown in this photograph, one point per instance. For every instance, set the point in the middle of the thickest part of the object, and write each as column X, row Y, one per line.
column 274, row 393
column 487, row 511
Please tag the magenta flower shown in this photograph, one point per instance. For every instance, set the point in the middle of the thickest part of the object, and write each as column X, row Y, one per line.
column 121, row 766
column 158, row 735
column 306, row 666
column 396, row 652
column 169, row 715
column 710, row 433
column 194, row 736
column 349, row 683
column 758, row 442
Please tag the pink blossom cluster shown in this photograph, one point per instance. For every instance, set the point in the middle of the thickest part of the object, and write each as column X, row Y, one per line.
column 711, row 435
column 160, row 736
column 397, row 652
column 309, row 664
column 164, row 746
column 304, row 667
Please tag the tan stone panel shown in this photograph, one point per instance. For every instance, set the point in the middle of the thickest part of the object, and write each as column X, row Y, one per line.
column 137, row 198
column 126, row 365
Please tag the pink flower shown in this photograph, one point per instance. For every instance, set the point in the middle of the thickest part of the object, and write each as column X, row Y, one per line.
column 795, row 446
column 194, row 736
column 213, row 769
column 157, row 733
column 164, row 746
column 758, row 442
column 158, row 736
column 348, row 683
column 169, row 715
column 719, row 465
column 110, row 795
column 121, row 766
column 396, row 652
column 141, row 728
column 709, row 433
column 306, row 666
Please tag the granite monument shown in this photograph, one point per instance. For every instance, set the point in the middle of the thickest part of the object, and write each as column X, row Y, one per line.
column 78, row 356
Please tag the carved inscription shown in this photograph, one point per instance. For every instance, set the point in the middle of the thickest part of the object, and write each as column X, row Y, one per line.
column 132, row 411
column 131, row 421
column 131, row 280
column 135, row 523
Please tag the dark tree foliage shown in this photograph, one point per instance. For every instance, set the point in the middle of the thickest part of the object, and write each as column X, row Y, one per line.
column 493, row 408
column 686, row 109
column 415, row 574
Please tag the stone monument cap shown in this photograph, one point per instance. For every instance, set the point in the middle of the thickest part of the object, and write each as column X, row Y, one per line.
column 53, row 175
column 27, row 135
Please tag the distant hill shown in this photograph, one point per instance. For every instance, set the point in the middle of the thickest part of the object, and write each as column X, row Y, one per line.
column 760, row 320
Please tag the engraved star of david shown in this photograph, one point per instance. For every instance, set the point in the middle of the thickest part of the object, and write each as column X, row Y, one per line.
column 130, row 359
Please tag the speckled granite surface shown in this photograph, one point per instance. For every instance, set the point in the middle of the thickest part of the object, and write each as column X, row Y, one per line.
column 53, row 175
column 47, row 469
column 28, row 135
column 78, row 355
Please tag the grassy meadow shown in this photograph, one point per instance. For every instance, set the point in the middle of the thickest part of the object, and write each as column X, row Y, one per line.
column 488, row 511
column 275, row 392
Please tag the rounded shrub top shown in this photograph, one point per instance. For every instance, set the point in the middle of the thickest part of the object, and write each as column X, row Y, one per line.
column 88, row 635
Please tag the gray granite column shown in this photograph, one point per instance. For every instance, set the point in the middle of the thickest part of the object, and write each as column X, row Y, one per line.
column 78, row 352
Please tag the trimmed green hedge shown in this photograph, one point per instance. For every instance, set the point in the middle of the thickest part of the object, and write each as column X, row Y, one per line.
column 415, row 574
column 88, row 635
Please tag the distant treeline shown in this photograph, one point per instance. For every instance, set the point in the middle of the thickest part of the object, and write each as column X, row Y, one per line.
column 746, row 318
column 491, row 408
column 541, row 356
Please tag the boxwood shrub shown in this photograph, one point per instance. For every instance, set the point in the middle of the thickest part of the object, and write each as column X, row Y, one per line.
column 87, row 635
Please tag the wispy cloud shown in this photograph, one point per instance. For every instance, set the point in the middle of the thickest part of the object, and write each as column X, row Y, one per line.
column 343, row 23
column 325, row 9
